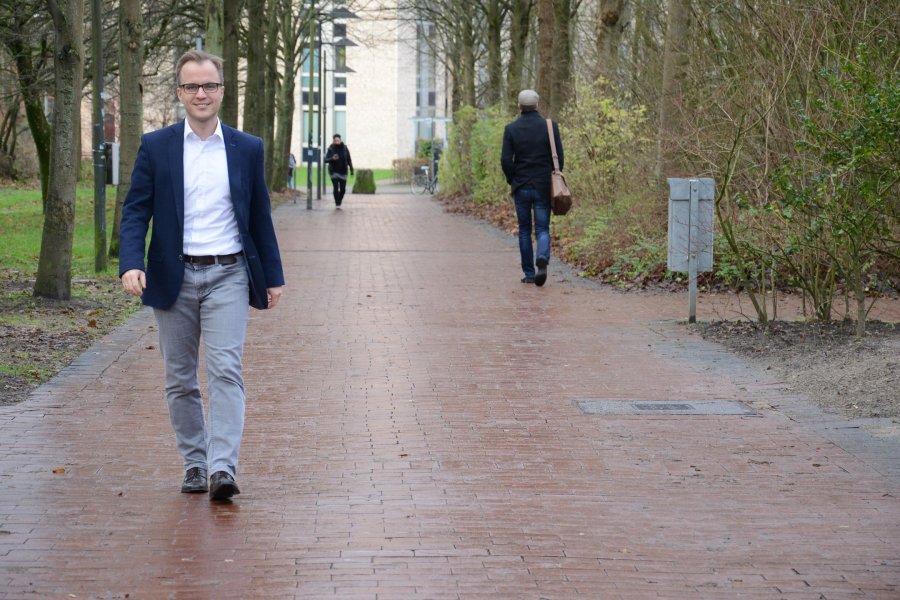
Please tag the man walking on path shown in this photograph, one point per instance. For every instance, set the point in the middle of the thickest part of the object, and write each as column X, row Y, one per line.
column 339, row 162
column 212, row 249
column 527, row 162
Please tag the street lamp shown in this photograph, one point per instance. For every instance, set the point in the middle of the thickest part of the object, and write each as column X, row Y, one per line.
column 314, row 155
column 323, row 98
column 344, row 42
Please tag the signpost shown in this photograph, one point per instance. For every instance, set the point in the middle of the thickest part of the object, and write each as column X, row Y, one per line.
column 691, row 220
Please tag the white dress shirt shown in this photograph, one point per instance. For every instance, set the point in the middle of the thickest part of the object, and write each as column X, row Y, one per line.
column 209, row 224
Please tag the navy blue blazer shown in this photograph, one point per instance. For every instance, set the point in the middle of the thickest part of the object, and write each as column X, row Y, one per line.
column 157, row 194
column 526, row 158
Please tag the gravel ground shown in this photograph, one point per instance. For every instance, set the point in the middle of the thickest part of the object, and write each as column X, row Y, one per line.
column 825, row 362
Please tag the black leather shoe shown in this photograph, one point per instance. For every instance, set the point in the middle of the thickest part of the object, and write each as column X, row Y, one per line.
column 540, row 278
column 528, row 280
column 194, row 481
column 222, row 486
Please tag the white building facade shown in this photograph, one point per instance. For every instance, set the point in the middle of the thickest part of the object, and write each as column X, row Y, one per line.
column 383, row 91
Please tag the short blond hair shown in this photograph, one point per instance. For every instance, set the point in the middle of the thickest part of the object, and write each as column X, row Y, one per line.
column 199, row 56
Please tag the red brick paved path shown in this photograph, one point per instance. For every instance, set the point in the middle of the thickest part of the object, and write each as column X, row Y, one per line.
column 412, row 432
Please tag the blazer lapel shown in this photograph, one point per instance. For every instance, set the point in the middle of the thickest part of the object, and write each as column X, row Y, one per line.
column 176, row 167
column 232, row 151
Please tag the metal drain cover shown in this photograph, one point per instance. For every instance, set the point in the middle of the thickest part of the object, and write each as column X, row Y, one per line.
column 665, row 407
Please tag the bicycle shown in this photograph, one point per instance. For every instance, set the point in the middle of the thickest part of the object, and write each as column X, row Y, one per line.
column 422, row 181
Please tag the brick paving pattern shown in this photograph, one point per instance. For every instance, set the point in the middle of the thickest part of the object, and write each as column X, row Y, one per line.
column 413, row 432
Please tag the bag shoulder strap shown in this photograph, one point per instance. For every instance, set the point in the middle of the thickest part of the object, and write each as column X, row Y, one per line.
column 553, row 145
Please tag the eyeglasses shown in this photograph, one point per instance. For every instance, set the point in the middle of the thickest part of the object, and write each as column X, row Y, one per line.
column 193, row 88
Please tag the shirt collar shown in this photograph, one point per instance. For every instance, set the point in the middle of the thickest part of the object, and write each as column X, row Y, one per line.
column 188, row 131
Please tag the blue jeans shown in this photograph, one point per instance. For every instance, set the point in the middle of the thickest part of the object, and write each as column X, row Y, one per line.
column 213, row 300
column 528, row 200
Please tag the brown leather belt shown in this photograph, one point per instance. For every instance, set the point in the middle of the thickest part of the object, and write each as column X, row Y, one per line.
column 222, row 259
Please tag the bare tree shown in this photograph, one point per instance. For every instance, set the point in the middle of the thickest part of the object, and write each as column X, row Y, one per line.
column 675, row 63
column 26, row 35
column 231, row 55
column 519, row 28
column 609, row 35
column 131, row 105
column 256, row 67
column 215, row 26
column 546, row 30
column 54, row 275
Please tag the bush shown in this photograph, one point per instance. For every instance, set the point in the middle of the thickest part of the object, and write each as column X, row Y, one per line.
column 365, row 182
column 455, row 165
column 486, row 143
column 617, row 228
column 404, row 168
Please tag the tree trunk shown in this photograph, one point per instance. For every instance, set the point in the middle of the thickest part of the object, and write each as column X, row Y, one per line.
column 231, row 55
column 675, row 64
column 609, row 34
column 455, row 67
column 285, row 112
column 31, row 98
column 520, row 20
column 131, row 110
column 215, row 27
column 256, row 68
column 271, row 88
column 468, row 60
column 546, row 32
column 54, row 276
column 562, row 55
column 494, row 61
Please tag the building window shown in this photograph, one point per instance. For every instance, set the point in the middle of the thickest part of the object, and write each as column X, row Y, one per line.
column 340, row 59
column 340, row 82
column 315, row 130
column 431, row 98
column 340, row 30
column 340, row 122
column 306, row 98
column 340, row 98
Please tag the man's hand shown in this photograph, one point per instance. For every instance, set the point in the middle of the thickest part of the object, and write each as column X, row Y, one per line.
column 134, row 282
column 274, row 296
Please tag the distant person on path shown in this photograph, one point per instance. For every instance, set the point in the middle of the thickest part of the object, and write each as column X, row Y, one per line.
column 527, row 162
column 339, row 162
column 292, row 164
column 212, row 253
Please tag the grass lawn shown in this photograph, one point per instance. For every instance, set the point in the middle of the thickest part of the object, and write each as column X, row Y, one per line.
column 41, row 336
column 300, row 177
column 21, row 224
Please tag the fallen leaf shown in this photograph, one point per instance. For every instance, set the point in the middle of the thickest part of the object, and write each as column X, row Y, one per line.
column 92, row 323
column 59, row 470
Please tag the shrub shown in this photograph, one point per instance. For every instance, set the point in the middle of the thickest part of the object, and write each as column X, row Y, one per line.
column 617, row 228
column 455, row 165
column 365, row 182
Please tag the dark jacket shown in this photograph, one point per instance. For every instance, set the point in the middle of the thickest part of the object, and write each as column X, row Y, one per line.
column 526, row 157
column 343, row 161
column 157, row 194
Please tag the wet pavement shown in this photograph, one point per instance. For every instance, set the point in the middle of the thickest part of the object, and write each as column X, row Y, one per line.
column 415, row 430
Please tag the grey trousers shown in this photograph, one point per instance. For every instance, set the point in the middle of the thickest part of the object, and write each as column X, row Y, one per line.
column 213, row 302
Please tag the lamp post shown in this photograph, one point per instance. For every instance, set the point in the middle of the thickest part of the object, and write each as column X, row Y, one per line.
column 337, row 13
column 309, row 147
column 98, row 144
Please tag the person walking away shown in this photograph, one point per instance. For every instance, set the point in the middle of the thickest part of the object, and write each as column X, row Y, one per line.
column 212, row 253
column 339, row 162
column 292, row 164
column 527, row 163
